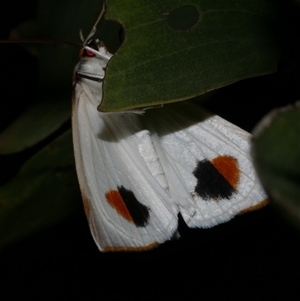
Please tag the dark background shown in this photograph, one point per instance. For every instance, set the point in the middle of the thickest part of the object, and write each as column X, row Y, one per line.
column 256, row 255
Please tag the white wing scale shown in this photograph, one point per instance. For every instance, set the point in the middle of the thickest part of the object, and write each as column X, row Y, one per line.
column 136, row 173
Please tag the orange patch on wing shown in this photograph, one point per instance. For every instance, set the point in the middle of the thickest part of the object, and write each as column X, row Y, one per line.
column 258, row 206
column 228, row 168
column 131, row 249
column 115, row 199
column 86, row 205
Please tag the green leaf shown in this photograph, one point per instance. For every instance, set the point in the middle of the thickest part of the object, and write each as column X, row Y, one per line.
column 35, row 124
column 43, row 193
column 158, row 63
column 276, row 152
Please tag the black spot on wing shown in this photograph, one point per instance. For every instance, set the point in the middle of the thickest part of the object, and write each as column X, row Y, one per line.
column 138, row 211
column 210, row 182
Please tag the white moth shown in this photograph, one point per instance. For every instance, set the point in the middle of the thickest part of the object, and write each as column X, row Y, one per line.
column 138, row 172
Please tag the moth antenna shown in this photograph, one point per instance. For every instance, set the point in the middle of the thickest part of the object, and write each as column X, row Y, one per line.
column 94, row 28
column 81, row 35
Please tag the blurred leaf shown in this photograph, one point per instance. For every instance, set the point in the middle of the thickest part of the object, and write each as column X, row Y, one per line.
column 35, row 124
column 157, row 63
column 43, row 193
column 276, row 152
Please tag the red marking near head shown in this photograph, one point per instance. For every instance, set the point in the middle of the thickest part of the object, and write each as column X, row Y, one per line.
column 89, row 53
column 228, row 168
column 83, row 52
column 115, row 199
